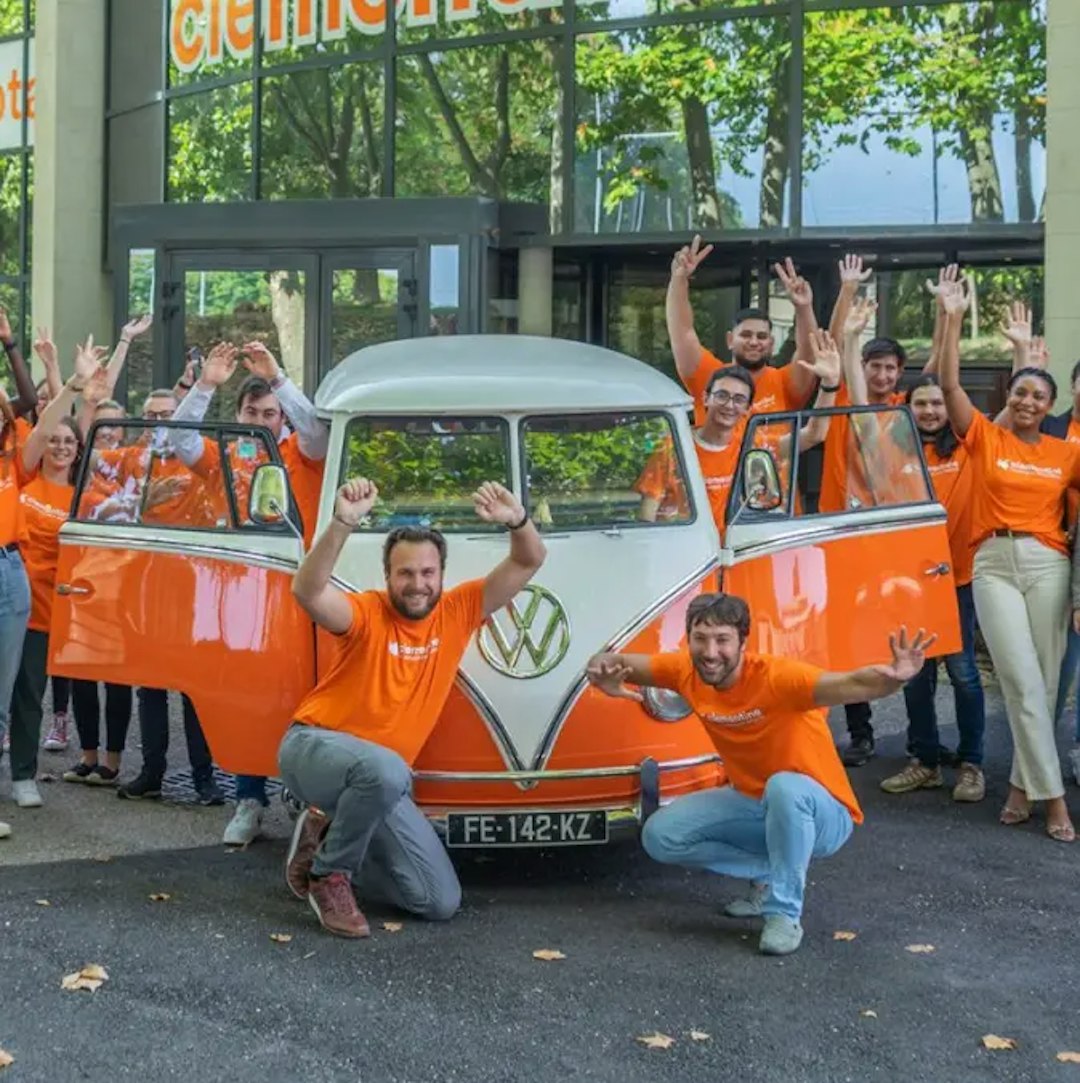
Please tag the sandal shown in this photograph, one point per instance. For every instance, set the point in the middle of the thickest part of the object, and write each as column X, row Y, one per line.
column 1012, row 816
column 1061, row 832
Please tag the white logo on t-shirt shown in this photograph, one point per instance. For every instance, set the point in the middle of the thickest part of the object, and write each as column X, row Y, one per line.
column 411, row 653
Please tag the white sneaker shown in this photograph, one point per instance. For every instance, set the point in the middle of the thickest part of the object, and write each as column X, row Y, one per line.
column 1074, row 763
column 5, row 830
column 26, row 793
column 244, row 827
column 56, row 740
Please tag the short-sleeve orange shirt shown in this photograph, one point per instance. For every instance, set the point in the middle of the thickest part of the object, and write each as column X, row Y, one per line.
column 951, row 479
column 45, row 507
column 765, row 724
column 774, row 390
column 391, row 676
column 1072, row 499
column 1020, row 486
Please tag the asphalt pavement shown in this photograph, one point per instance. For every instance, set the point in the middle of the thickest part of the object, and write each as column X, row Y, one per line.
column 199, row 989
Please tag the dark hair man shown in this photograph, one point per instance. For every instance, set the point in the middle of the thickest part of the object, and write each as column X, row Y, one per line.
column 358, row 732
column 789, row 799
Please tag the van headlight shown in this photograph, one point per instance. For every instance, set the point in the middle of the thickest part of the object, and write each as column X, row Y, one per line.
column 665, row 705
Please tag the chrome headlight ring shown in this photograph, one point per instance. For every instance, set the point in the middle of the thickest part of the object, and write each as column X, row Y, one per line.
column 664, row 705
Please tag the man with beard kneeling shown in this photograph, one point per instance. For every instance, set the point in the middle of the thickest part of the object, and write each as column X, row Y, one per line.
column 789, row 798
column 350, row 752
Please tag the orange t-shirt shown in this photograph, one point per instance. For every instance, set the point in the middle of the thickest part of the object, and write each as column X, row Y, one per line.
column 391, row 677
column 767, row 723
column 1019, row 486
column 843, row 475
column 952, row 483
column 774, row 390
column 11, row 517
column 45, row 507
column 1072, row 498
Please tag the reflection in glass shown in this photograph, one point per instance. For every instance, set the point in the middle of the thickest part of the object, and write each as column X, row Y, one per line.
column 364, row 309
column 950, row 128
column 11, row 206
column 202, row 47
column 11, row 17
column 210, row 146
column 596, row 10
column 11, row 303
column 444, row 287
column 322, row 133
column 139, row 367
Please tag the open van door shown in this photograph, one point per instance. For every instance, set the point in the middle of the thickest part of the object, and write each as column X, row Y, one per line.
column 830, row 588
column 168, row 578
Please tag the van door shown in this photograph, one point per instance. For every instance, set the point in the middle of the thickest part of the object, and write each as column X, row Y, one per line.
column 830, row 589
column 164, row 581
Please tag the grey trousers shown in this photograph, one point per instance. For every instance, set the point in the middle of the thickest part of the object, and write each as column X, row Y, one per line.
column 377, row 835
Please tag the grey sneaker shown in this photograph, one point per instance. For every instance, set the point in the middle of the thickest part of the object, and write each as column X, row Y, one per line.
column 970, row 783
column 750, row 907
column 781, row 935
column 26, row 793
column 913, row 777
column 1074, row 764
column 244, row 827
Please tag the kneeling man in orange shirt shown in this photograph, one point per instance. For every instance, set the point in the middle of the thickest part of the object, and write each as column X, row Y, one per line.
column 789, row 798
column 358, row 732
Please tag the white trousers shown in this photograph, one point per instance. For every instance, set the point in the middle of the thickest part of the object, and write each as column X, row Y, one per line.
column 1022, row 601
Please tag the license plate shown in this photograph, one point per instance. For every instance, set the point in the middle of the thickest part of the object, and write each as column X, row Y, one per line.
column 526, row 828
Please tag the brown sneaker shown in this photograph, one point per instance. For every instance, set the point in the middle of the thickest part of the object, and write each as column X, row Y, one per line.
column 970, row 783
column 913, row 777
column 306, row 837
column 332, row 899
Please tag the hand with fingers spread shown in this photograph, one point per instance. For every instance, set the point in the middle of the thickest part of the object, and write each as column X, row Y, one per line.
column 609, row 675
column 860, row 317
column 259, row 361
column 45, row 348
column 688, row 258
column 1016, row 326
column 494, row 503
column 852, row 274
column 1039, row 353
column 219, row 365
column 796, row 287
column 908, row 657
column 133, row 328
column 948, row 280
column 355, row 499
column 88, row 358
column 97, row 388
column 957, row 298
column 161, row 490
column 826, row 363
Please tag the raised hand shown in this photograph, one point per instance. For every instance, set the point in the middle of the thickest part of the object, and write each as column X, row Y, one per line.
column 948, row 280
column 494, row 503
column 162, row 490
column 826, row 363
column 97, row 389
column 610, row 675
column 88, row 358
column 139, row 326
column 687, row 259
column 852, row 274
column 5, row 327
column 957, row 298
column 1016, row 326
column 1039, row 353
column 219, row 365
column 859, row 318
column 355, row 499
column 908, row 658
column 796, row 287
column 259, row 361
column 45, row 348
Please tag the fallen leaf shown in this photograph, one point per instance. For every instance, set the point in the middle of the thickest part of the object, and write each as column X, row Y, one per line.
column 6, row 1059
column 160, row 896
column 43, row 902
column 656, row 1040
column 548, row 955
column 310, row 955
column 281, row 938
column 843, row 934
column 393, row 926
column 920, row 949
column 992, row 1041
column 868, row 1013
column 1068, row 1058
column 699, row 1036
column 91, row 978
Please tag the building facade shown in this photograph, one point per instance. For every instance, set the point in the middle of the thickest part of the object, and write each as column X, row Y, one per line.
column 329, row 173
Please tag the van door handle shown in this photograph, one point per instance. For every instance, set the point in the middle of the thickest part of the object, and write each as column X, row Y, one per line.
column 66, row 589
column 938, row 569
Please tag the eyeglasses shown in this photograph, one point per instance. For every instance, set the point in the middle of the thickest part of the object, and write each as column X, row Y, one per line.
column 157, row 415
column 722, row 398
column 59, row 441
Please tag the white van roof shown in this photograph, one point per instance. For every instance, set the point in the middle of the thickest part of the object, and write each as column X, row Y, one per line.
column 492, row 373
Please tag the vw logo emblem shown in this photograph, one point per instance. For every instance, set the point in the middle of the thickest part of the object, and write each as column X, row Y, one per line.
column 527, row 638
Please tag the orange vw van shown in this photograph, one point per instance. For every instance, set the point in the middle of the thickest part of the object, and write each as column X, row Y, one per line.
column 525, row 753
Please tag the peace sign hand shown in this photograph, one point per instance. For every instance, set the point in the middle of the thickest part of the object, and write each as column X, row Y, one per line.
column 688, row 258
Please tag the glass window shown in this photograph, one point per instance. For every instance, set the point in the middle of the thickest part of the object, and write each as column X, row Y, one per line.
column 210, row 146
column 162, row 476
column 479, row 122
column 11, row 213
column 420, row 20
column 427, row 468
column 322, row 133
column 444, row 288
column 683, row 127
column 207, row 41
column 922, row 115
column 589, row 10
column 365, row 308
column 596, row 471
column 11, row 17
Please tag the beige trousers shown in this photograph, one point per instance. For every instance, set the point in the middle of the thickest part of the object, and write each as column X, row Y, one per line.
column 1021, row 590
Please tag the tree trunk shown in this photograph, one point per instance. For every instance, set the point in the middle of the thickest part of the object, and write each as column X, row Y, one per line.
column 287, row 312
column 366, row 285
column 1025, row 193
column 777, row 162
column 699, row 151
column 557, row 175
column 984, row 180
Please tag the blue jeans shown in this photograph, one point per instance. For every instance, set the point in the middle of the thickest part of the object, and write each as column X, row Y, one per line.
column 251, row 788
column 967, row 694
column 770, row 841
column 14, row 613
column 1069, row 666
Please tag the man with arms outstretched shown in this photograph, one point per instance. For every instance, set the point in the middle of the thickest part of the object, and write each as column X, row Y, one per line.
column 789, row 798
column 357, row 734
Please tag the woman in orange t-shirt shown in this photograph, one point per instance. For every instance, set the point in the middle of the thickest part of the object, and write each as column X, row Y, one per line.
column 951, row 474
column 1022, row 569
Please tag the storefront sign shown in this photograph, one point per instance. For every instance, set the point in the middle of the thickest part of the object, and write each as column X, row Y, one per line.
column 203, row 32
column 16, row 96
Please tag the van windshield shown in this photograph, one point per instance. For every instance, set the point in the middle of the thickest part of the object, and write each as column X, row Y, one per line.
column 427, row 468
column 590, row 471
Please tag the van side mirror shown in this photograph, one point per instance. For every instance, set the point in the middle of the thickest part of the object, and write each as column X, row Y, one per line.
column 761, row 481
column 268, row 503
